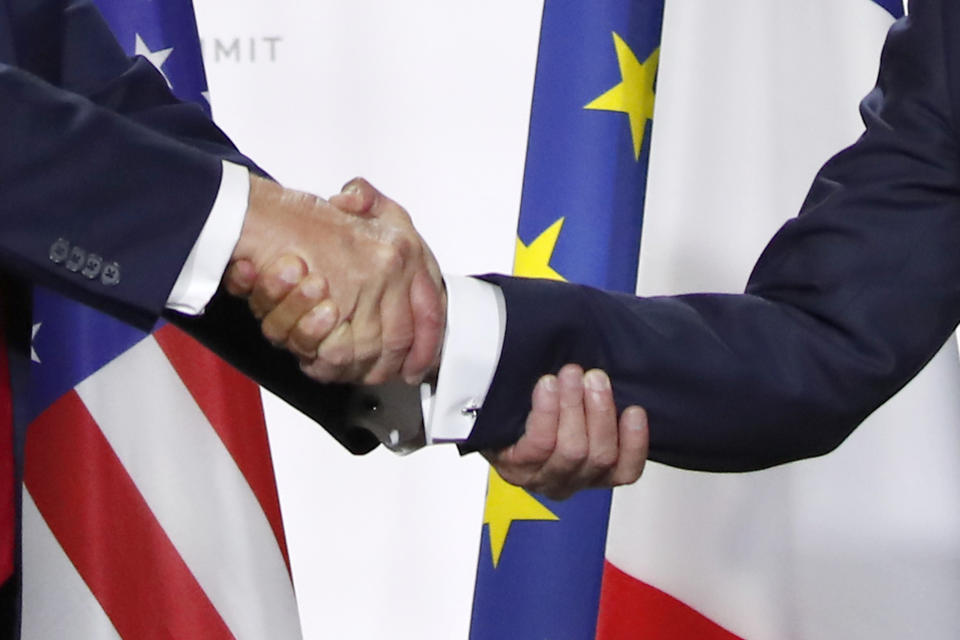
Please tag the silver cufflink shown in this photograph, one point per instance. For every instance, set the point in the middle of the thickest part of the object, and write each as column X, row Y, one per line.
column 471, row 410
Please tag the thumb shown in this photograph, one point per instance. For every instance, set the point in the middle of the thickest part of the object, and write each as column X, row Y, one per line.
column 429, row 305
column 240, row 277
column 358, row 197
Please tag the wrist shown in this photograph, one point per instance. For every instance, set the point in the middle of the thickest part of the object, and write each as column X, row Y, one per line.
column 264, row 194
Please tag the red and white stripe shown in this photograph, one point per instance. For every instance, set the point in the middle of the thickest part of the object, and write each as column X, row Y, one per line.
column 153, row 479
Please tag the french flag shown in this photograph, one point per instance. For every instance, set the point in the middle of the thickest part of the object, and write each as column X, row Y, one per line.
column 753, row 96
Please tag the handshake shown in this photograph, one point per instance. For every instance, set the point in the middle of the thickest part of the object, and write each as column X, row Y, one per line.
column 350, row 288
column 347, row 286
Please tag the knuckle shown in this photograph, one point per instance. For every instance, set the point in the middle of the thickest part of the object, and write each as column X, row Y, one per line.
column 303, row 343
column 272, row 333
column 378, row 374
column 535, row 485
column 367, row 335
column 388, row 257
column 636, row 473
column 404, row 247
column 367, row 348
column 376, row 377
column 379, row 371
column 572, row 454
column 557, row 493
column 333, row 356
column 306, row 332
column 627, row 476
column 317, row 370
column 255, row 308
column 236, row 287
column 272, row 291
column 513, row 476
column 397, row 343
column 604, row 459
column 404, row 243
column 538, row 447
column 300, row 349
column 604, row 411
column 361, row 364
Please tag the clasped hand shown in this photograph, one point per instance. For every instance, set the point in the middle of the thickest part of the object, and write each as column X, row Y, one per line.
column 348, row 286
column 351, row 289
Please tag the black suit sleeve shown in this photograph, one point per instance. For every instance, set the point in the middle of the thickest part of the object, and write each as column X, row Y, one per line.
column 229, row 330
column 71, row 169
column 846, row 304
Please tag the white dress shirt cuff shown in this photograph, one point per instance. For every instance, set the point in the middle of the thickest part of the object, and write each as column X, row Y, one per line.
column 203, row 270
column 476, row 321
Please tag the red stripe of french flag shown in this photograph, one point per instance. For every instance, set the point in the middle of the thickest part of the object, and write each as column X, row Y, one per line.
column 632, row 609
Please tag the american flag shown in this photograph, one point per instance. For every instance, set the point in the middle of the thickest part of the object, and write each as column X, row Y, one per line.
column 150, row 508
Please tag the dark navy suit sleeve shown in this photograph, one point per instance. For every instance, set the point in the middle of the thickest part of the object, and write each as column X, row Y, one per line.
column 846, row 304
column 97, row 152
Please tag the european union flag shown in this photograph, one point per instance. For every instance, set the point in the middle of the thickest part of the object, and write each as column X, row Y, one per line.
column 541, row 561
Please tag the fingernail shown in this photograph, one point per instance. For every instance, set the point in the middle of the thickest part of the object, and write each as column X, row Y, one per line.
column 633, row 416
column 324, row 311
column 570, row 376
column 352, row 187
column 596, row 380
column 245, row 270
column 291, row 274
column 549, row 383
column 313, row 288
column 546, row 394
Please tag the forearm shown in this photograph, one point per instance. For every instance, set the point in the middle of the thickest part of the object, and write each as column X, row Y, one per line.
column 102, row 183
column 848, row 301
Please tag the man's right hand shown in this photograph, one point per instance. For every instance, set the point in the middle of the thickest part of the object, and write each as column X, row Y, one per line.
column 364, row 286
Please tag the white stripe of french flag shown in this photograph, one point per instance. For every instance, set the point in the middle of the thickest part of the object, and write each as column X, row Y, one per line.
column 753, row 96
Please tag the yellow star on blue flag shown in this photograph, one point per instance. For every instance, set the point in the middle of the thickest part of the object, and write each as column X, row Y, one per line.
column 533, row 260
column 507, row 504
column 634, row 95
column 541, row 561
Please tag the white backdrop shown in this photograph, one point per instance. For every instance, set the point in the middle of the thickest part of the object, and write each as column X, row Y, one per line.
column 861, row 543
column 430, row 100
